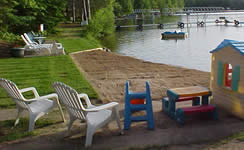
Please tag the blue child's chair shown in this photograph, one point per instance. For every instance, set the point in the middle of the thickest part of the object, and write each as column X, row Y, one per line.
column 130, row 107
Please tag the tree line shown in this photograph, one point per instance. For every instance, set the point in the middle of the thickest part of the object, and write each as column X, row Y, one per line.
column 104, row 12
column 125, row 7
column 232, row 4
column 19, row 16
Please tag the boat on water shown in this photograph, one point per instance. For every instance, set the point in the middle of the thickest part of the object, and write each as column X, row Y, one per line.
column 175, row 35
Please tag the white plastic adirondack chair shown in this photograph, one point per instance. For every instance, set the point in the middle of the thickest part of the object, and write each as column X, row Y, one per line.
column 33, row 38
column 59, row 45
column 95, row 116
column 37, row 107
column 35, row 46
column 33, row 33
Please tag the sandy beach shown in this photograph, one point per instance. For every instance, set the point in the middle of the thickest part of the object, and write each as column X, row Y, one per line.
column 108, row 72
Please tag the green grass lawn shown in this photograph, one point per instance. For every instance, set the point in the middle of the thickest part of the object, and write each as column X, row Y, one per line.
column 42, row 72
column 74, row 39
column 77, row 44
column 8, row 133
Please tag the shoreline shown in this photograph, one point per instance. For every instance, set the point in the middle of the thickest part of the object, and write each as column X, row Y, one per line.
column 108, row 72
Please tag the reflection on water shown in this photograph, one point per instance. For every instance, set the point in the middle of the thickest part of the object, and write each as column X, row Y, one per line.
column 193, row 52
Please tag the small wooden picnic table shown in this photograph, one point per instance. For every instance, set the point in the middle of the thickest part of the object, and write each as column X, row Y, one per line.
column 193, row 91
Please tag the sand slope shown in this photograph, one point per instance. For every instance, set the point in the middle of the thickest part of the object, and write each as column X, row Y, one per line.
column 108, row 72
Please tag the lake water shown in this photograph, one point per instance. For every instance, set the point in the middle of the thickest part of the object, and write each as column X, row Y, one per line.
column 192, row 52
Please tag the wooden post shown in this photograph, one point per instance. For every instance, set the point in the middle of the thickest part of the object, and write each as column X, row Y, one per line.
column 188, row 14
column 153, row 18
column 205, row 20
column 197, row 17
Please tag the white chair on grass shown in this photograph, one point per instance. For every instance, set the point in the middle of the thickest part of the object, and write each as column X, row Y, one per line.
column 35, row 46
column 33, row 38
column 94, row 116
column 58, row 45
column 37, row 107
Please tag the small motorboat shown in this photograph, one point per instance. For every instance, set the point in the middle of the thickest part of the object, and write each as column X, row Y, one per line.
column 175, row 35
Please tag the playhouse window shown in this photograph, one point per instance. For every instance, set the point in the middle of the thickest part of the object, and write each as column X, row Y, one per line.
column 228, row 75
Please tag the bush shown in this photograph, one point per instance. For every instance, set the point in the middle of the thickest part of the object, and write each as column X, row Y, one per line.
column 10, row 37
column 103, row 22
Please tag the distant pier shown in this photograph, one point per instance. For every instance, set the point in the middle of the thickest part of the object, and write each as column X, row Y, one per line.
column 139, row 14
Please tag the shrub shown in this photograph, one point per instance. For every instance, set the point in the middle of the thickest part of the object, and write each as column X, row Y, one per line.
column 103, row 22
column 10, row 37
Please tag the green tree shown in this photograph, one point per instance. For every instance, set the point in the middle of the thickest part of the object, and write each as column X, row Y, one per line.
column 154, row 4
column 162, row 4
column 181, row 3
column 19, row 16
column 170, row 4
column 50, row 13
column 102, row 23
column 6, row 12
column 24, row 16
column 123, row 7
column 118, row 10
column 234, row 4
column 98, row 4
column 146, row 4
column 138, row 4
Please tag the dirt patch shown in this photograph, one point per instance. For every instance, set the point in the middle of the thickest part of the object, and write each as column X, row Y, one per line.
column 108, row 73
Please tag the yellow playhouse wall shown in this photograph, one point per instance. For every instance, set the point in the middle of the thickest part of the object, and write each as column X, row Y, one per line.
column 224, row 97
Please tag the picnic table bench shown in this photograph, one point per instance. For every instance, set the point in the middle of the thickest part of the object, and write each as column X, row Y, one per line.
column 165, row 102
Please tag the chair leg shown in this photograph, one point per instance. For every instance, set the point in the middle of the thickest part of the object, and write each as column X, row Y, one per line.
column 127, row 116
column 60, row 109
column 32, row 121
column 117, row 117
column 18, row 116
column 72, row 119
column 89, row 135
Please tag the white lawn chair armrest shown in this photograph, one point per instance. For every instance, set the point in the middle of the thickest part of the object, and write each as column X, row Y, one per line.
column 86, row 98
column 30, row 100
column 30, row 89
column 59, row 45
column 53, row 95
column 39, row 37
column 102, row 107
column 34, row 43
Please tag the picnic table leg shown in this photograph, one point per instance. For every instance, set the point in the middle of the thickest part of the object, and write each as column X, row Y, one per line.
column 172, row 108
column 196, row 101
column 173, row 97
column 180, row 116
column 165, row 105
column 205, row 100
column 215, row 114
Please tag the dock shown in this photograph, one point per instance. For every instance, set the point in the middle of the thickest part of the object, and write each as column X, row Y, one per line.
column 196, row 11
